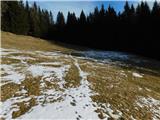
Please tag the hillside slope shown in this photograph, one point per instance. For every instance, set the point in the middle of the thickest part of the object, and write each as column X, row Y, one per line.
column 40, row 80
column 22, row 42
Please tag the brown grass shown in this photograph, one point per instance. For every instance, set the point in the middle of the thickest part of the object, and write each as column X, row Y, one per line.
column 38, row 60
column 22, row 42
column 52, row 84
column 23, row 54
column 52, row 65
column 32, row 85
column 6, row 60
column 9, row 90
column 150, row 82
column 120, row 90
column 23, row 107
column 72, row 77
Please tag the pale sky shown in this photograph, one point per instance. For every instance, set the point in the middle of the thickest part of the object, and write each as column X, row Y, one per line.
column 77, row 5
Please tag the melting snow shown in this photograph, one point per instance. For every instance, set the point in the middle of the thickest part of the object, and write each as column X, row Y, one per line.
column 51, row 63
column 8, row 106
column 15, row 77
column 137, row 75
column 38, row 70
column 151, row 103
column 76, row 103
column 83, row 107
column 105, row 55
column 12, row 75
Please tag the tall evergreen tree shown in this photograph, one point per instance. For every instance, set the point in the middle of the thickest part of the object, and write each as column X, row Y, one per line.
column 5, row 16
column 82, row 19
column 126, row 9
column 35, row 21
column 156, row 9
column 60, row 19
column 102, row 15
column 15, row 17
column 102, row 11
column 132, row 10
column 96, row 14
column 51, row 18
column 71, row 19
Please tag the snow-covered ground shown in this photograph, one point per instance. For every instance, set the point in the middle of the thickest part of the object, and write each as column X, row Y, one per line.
column 76, row 103
column 55, row 101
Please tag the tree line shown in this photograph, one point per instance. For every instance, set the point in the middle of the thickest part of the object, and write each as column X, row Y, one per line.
column 23, row 19
column 136, row 29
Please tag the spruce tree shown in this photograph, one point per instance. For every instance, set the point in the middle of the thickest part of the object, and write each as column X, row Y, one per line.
column 82, row 19
column 60, row 19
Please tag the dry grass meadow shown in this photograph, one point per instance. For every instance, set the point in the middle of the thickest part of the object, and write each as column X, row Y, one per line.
column 35, row 72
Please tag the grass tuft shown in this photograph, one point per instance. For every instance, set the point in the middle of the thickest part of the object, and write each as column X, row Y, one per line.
column 72, row 77
column 23, row 107
column 9, row 90
column 32, row 85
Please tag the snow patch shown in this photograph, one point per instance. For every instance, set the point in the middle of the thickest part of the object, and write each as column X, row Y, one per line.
column 105, row 55
column 76, row 103
column 51, row 63
column 4, row 51
column 22, row 57
column 137, row 75
column 12, row 75
column 8, row 106
column 44, row 71
column 152, row 104
column 109, row 112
